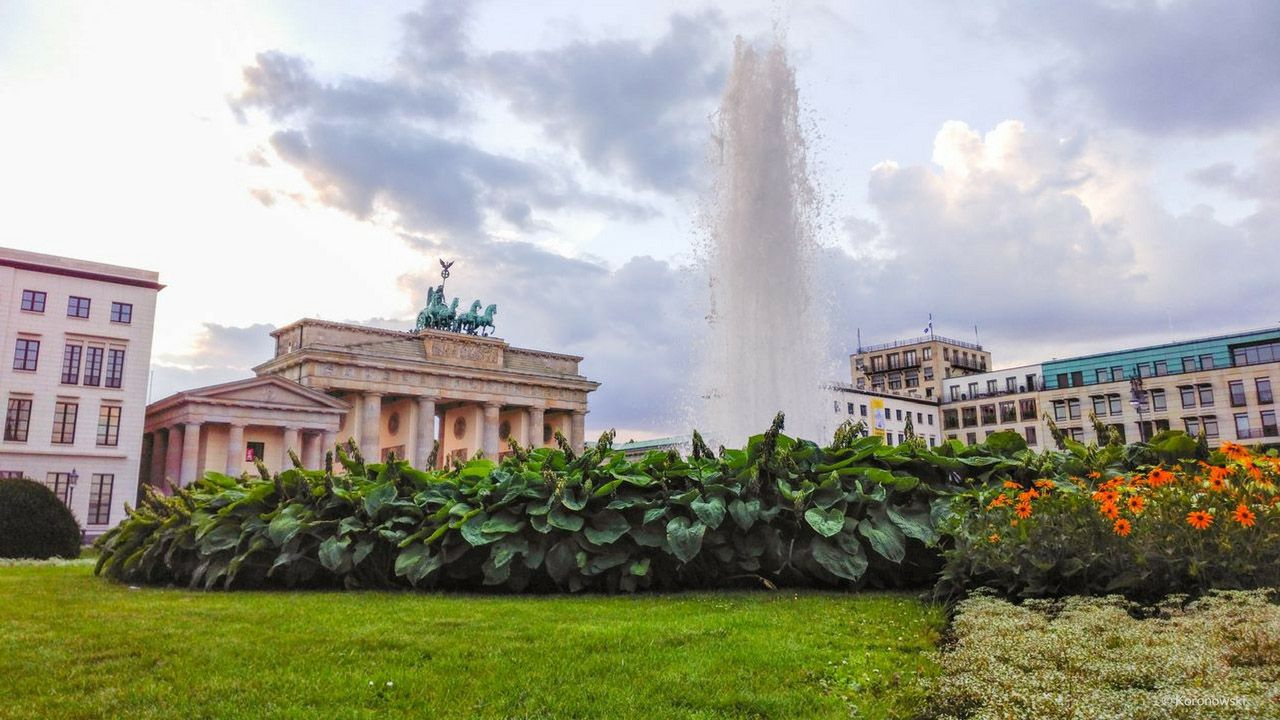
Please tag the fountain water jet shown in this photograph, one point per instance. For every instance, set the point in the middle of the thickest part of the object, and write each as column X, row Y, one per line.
column 766, row 346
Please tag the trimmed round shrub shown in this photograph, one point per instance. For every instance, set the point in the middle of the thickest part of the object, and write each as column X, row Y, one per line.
column 34, row 523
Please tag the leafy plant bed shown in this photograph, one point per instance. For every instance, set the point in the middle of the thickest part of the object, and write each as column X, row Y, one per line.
column 72, row 646
column 1216, row 657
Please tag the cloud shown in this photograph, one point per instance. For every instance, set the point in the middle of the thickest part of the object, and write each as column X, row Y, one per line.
column 628, row 110
column 1159, row 67
column 221, row 353
column 1049, row 245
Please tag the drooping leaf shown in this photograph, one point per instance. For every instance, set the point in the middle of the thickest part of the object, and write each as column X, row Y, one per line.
column 606, row 526
column 710, row 511
column 825, row 522
column 849, row 566
column 685, row 538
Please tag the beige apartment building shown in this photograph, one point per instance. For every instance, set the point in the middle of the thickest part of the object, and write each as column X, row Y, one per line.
column 916, row 367
column 75, row 391
column 975, row 406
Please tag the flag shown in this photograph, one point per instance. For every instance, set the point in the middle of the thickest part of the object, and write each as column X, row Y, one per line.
column 927, row 330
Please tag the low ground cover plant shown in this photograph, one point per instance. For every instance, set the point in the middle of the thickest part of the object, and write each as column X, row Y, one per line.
column 1081, row 657
column 1179, row 526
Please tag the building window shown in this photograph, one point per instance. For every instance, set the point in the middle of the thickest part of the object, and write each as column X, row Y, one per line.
column 1119, row 428
column 930, row 417
column 969, row 416
column 1076, row 434
column 950, row 420
column 909, row 358
column 971, row 438
column 18, row 420
column 254, row 451
column 862, row 410
column 1059, row 410
column 988, row 414
column 1162, row 367
column 1114, row 401
column 895, row 362
column 1188, row 396
column 1263, row 386
column 1027, row 408
column 993, row 386
column 1158, row 400
column 899, row 415
column 850, row 408
column 895, row 383
column 928, row 372
column 109, row 425
column 877, row 363
column 955, row 393
column 1236, row 388
column 973, row 389
column 100, row 487
column 12, row 475
column 888, row 439
column 1099, row 405
column 93, row 366
column 33, row 301
column 1103, row 375
column 1192, row 425
column 71, row 364
column 1188, row 364
column 77, row 307
column 115, row 367
column 1144, row 370
column 1269, row 423
column 913, row 381
column 1008, row 412
column 121, row 312
column 1206, row 362
column 926, row 353
column 60, row 484
column 1206, row 395
column 1031, row 383
column 1210, row 423
column 900, row 438
column 1030, row 432
column 26, row 354
column 64, row 422
column 1242, row 426
column 1254, row 354
column 1073, row 409
column 1011, row 384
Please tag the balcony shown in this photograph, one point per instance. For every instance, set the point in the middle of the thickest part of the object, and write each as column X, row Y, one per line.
column 970, row 364
column 918, row 341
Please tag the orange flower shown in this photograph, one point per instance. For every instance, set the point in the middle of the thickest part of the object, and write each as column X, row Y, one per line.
column 993, row 538
column 1217, row 483
column 1000, row 501
column 1028, row 495
column 1234, row 451
column 1158, row 477
column 1136, row 504
column 1109, row 510
column 1106, row 496
column 1045, row 484
column 1112, row 484
column 1199, row 519
column 1122, row 527
column 1256, row 474
column 1094, row 475
column 1244, row 516
column 1011, row 485
column 1023, row 510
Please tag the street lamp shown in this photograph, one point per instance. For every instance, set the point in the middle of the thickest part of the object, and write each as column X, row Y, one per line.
column 71, row 485
column 1138, row 399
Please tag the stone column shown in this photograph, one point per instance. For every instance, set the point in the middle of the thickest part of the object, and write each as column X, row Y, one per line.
column 235, row 449
column 424, row 431
column 173, row 459
column 291, row 442
column 159, row 455
column 371, row 426
column 190, row 453
column 577, row 430
column 328, row 441
column 489, row 431
column 534, row 420
column 312, row 455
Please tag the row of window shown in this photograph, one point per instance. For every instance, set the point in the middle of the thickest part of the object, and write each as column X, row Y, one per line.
column 1267, row 428
column 972, row 437
column 921, row 418
column 77, row 307
column 1011, row 385
column 1262, row 386
column 26, row 357
column 17, row 422
column 1009, row 411
column 1253, row 355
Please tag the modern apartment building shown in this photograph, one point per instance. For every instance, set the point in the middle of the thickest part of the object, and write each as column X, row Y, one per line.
column 916, row 367
column 975, row 406
column 76, row 389
column 887, row 415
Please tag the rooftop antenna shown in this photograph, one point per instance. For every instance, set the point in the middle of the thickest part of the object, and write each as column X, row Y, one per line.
column 859, row 340
column 976, row 341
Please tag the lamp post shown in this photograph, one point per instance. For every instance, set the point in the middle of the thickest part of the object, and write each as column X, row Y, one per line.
column 1138, row 399
column 71, row 485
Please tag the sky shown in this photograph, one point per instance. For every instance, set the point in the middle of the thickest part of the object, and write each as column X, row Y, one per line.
column 1057, row 178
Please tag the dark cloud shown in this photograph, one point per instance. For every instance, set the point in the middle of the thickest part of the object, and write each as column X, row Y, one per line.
column 1260, row 183
column 1159, row 67
column 221, row 353
column 628, row 110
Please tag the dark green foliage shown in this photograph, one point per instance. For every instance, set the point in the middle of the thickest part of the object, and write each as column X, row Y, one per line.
column 779, row 512
column 34, row 523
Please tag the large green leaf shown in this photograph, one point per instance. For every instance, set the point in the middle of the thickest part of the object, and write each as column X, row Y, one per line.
column 825, row 522
column 334, row 555
column 685, row 538
column 914, row 521
column 606, row 526
column 564, row 519
column 378, row 496
column 562, row 561
column 884, row 536
column 285, row 525
column 849, row 566
column 744, row 512
column 709, row 511
column 417, row 562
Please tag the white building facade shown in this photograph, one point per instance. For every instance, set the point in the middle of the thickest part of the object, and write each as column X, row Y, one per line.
column 886, row 415
column 79, row 336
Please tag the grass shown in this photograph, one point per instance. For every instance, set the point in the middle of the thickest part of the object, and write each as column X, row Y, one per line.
column 76, row 646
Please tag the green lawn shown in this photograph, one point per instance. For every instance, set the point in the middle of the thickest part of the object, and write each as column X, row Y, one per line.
column 76, row 646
